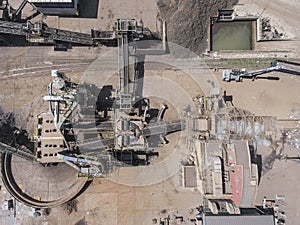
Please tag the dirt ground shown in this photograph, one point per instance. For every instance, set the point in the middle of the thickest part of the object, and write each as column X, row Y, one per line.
column 25, row 73
column 188, row 20
column 106, row 201
column 276, row 98
column 283, row 16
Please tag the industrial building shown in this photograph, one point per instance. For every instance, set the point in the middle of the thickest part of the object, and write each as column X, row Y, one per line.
column 239, row 220
column 228, row 174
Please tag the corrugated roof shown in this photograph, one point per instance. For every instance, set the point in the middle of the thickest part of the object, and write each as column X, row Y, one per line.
column 190, row 177
column 239, row 220
column 243, row 158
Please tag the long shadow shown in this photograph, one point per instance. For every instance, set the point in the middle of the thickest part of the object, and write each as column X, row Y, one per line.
column 83, row 189
column 88, row 8
column 256, row 159
column 104, row 103
column 81, row 222
column 12, row 40
column 134, row 158
column 259, row 167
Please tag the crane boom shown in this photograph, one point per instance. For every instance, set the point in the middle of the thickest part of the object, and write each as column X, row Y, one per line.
column 277, row 65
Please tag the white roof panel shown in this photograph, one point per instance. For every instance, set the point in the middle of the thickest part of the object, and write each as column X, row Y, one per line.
column 239, row 220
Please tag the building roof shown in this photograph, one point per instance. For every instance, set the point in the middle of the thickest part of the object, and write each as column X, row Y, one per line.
column 249, row 188
column 51, row 139
column 239, row 220
column 190, row 176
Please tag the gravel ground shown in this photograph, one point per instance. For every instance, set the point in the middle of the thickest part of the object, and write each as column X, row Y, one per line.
column 188, row 20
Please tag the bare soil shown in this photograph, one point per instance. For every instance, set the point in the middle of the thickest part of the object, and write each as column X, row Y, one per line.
column 188, row 20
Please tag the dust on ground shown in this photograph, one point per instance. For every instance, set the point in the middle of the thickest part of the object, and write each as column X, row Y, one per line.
column 188, row 20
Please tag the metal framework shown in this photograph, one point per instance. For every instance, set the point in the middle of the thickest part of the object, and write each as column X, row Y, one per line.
column 232, row 122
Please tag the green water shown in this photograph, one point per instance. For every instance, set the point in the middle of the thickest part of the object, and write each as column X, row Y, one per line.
column 232, row 36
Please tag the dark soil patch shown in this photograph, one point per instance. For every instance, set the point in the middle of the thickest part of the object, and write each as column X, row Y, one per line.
column 188, row 21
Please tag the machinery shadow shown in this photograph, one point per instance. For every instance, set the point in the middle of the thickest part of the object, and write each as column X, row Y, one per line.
column 256, row 159
column 12, row 40
column 104, row 103
column 88, row 8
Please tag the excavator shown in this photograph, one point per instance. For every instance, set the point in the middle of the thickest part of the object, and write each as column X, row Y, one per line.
column 276, row 66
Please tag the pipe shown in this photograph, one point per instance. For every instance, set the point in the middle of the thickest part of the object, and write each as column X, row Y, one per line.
column 19, row 10
column 56, row 113
column 78, row 160
column 50, row 93
column 73, row 165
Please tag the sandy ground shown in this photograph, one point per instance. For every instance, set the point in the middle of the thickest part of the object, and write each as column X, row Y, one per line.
column 263, row 97
column 108, row 11
column 276, row 98
column 106, row 202
column 283, row 180
column 273, row 98
column 25, row 74
column 283, row 15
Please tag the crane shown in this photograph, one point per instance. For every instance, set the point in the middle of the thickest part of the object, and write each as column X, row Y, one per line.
column 277, row 65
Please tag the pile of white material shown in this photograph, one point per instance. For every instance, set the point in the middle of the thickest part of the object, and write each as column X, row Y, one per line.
column 293, row 136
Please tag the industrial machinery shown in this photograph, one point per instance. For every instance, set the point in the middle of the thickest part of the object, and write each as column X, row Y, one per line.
column 15, row 15
column 277, row 65
column 33, row 33
column 67, row 132
column 46, row 7
column 38, row 33
column 63, row 137
column 92, row 128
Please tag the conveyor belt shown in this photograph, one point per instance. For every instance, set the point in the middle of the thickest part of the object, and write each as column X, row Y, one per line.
column 47, row 34
column 4, row 148
column 68, row 36
column 95, row 145
column 162, row 128
column 289, row 67
column 12, row 28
